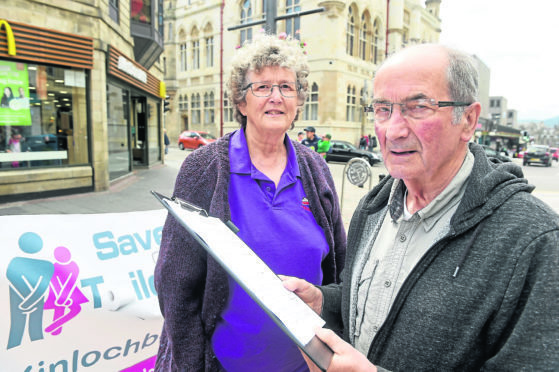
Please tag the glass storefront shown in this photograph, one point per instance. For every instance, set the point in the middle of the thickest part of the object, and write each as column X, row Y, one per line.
column 133, row 130
column 117, row 131
column 154, row 149
column 43, row 116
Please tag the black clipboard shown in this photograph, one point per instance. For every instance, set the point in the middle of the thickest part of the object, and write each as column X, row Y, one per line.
column 293, row 316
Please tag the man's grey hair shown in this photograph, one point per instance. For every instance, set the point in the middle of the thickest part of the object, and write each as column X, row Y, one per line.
column 462, row 76
column 267, row 51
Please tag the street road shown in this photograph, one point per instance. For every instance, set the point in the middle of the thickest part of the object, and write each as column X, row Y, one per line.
column 545, row 179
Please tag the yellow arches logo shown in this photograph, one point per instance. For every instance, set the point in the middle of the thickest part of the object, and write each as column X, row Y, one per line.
column 9, row 37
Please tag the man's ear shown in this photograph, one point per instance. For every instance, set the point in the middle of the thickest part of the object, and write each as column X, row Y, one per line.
column 470, row 119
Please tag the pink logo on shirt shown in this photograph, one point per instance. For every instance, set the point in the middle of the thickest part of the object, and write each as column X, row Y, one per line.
column 305, row 204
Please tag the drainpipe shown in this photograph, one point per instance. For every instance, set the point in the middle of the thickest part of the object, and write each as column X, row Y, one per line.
column 387, row 15
column 221, row 68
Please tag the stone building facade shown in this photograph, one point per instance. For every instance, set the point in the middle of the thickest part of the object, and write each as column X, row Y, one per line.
column 345, row 45
column 90, row 89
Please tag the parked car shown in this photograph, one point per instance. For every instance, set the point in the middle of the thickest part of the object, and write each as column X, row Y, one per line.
column 555, row 153
column 491, row 153
column 344, row 151
column 192, row 139
column 538, row 154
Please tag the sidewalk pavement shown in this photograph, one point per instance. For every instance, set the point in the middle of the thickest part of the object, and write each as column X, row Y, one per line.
column 129, row 194
column 132, row 193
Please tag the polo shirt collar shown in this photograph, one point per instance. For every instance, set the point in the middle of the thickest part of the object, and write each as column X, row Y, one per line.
column 240, row 162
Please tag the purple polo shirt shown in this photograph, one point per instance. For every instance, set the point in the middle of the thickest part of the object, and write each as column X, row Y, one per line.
column 279, row 226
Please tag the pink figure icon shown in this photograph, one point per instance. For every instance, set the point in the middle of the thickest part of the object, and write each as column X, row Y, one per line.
column 64, row 297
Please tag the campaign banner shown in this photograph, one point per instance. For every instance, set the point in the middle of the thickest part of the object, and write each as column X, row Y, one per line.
column 14, row 100
column 77, row 292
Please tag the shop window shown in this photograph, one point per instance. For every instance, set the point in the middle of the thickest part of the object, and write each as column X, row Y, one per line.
column 153, row 134
column 117, row 131
column 140, row 11
column 43, row 119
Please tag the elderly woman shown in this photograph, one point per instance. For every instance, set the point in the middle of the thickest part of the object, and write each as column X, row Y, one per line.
column 280, row 195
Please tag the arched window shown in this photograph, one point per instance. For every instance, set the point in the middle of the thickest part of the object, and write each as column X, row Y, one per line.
column 208, row 108
column 292, row 25
column 311, row 106
column 209, row 45
column 350, row 103
column 227, row 108
column 195, row 49
column 375, row 46
column 363, row 35
column 183, row 103
column 195, row 102
column 246, row 16
column 359, row 109
column 182, row 51
column 350, row 32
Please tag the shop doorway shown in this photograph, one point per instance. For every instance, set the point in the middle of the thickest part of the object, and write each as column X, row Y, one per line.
column 139, row 131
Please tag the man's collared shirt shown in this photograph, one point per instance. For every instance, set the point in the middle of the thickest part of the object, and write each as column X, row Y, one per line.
column 399, row 245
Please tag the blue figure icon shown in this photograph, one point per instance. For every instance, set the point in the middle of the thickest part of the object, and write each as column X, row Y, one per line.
column 29, row 280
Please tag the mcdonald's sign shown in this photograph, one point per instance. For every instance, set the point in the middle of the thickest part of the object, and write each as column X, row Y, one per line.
column 9, row 37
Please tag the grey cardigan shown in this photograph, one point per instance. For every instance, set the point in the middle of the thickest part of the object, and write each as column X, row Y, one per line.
column 499, row 312
column 192, row 288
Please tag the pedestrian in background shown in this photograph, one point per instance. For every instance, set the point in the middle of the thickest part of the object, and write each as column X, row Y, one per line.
column 452, row 263
column 364, row 142
column 300, row 137
column 280, row 195
column 324, row 144
column 312, row 139
column 166, row 141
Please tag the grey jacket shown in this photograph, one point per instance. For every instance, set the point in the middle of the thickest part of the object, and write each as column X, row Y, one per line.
column 500, row 312
column 192, row 287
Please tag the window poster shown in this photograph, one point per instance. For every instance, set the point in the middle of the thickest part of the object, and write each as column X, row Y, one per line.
column 14, row 85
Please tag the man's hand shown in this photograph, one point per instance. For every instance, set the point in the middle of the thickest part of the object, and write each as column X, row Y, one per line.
column 345, row 359
column 307, row 292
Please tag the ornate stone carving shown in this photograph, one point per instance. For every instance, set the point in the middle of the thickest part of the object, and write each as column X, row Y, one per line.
column 333, row 8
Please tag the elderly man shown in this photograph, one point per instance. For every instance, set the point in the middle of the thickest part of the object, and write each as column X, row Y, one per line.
column 451, row 263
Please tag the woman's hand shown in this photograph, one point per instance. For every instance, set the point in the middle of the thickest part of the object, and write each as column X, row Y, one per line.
column 306, row 291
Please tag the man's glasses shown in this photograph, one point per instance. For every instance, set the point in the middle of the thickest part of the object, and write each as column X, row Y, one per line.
column 262, row 89
column 420, row 108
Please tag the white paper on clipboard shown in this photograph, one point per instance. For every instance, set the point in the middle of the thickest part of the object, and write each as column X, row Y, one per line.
column 295, row 317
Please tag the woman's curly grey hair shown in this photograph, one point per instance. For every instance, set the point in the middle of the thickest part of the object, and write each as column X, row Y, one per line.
column 267, row 51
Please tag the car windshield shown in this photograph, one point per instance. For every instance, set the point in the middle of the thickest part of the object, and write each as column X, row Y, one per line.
column 349, row 145
column 207, row 136
column 537, row 148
